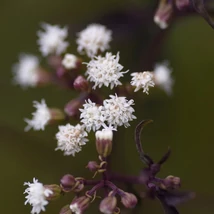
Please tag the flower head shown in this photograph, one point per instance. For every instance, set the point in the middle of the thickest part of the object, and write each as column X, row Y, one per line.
column 70, row 61
column 70, row 139
column 41, row 116
column 37, row 196
column 142, row 80
column 52, row 39
column 92, row 116
column 94, row 38
column 162, row 77
column 105, row 70
column 118, row 111
column 26, row 71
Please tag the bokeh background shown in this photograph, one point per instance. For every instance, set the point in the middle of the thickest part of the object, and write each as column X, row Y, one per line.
column 184, row 121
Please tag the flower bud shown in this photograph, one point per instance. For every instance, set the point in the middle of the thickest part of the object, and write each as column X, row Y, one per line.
column 182, row 4
column 54, row 61
column 65, row 210
column 44, row 77
column 72, row 107
column 56, row 115
column 92, row 166
column 129, row 200
column 67, row 183
column 172, row 182
column 81, row 84
column 56, row 191
column 79, row 204
column 163, row 14
column 108, row 205
column 104, row 142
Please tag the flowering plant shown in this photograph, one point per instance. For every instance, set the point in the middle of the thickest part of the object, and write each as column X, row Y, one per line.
column 97, row 113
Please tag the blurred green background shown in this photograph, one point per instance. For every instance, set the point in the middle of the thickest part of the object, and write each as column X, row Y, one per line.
column 184, row 121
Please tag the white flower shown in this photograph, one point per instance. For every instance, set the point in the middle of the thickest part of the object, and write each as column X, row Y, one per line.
column 92, row 116
column 52, row 39
column 71, row 138
column 75, row 208
column 105, row 70
column 94, row 38
column 41, row 116
column 36, row 196
column 70, row 61
column 162, row 77
column 118, row 111
column 26, row 71
column 142, row 80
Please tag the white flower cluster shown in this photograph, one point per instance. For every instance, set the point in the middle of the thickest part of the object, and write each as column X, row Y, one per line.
column 70, row 139
column 116, row 111
column 52, row 39
column 26, row 71
column 160, row 77
column 101, row 71
column 36, row 196
column 105, row 70
column 94, row 38
column 92, row 116
column 142, row 80
column 41, row 116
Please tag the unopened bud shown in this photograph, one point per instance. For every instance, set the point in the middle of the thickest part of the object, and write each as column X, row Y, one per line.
column 56, row 191
column 92, row 166
column 163, row 14
column 56, row 115
column 108, row 205
column 104, row 142
column 67, row 182
column 72, row 107
column 81, row 84
column 129, row 200
column 182, row 4
column 172, row 182
column 65, row 210
column 44, row 77
column 79, row 204
column 54, row 61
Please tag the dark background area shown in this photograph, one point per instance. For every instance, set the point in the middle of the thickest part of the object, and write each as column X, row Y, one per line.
column 184, row 121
